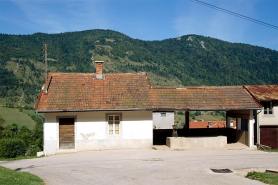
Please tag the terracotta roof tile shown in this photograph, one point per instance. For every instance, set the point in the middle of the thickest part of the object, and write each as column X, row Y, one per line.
column 205, row 98
column 126, row 91
column 214, row 124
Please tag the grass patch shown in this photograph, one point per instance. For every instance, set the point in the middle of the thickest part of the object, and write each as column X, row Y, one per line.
column 32, row 112
column 154, row 148
column 265, row 177
column 13, row 115
column 11, row 177
column 207, row 117
column 19, row 158
column 269, row 150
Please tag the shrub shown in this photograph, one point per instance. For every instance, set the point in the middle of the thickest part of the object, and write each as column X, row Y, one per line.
column 12, row 147
column 32, row 150
column 25, row 134
column 2, row 121
column 180, row 113
column 197, row 113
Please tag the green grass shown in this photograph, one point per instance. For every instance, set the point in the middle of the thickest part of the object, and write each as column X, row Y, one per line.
column 269, row 150
column 265, row 177
column 208, row 117
column 32, row 112
column 11, row 177
column 12, row 115
column 19, row 158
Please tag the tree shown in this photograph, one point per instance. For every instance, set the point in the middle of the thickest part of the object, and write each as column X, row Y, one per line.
column 2, row 121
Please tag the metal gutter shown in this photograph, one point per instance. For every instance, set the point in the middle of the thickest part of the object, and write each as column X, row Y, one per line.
column 40, row 116
column 139, row 109
column 88, row 110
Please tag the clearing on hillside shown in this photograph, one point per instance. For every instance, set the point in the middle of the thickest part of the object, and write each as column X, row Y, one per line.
column 13, row 115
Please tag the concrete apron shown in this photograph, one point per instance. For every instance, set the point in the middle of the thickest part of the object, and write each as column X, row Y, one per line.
column 196, row 142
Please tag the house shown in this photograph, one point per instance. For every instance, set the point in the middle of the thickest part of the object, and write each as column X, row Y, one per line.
column 86, row 111
column 211, row 124
column 267, row 118
column 93, row 111
column 163, row 120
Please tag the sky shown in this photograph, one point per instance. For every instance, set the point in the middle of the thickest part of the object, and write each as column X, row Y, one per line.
column 145, row 19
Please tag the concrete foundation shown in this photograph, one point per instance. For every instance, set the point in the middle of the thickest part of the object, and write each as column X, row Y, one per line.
column 196, row 142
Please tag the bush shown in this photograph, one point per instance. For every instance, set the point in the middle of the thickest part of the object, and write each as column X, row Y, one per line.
column 32, row 150
column 25, row 134
column 197, row 113
column 12, row 147
column 2, row 121
column 180, row 113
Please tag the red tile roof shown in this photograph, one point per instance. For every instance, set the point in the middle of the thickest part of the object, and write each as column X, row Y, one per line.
column 126, row 91
column 80, row 91
column 214, row 124
column 205, row 98
column 263, row 92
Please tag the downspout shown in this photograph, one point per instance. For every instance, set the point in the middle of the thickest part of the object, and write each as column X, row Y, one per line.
column 40, row 116
column 258, row 127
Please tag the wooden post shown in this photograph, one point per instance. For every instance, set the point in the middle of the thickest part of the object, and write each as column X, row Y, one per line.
column 186, row 125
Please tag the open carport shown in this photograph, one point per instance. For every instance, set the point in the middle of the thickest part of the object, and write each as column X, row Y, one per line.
column 236, row 101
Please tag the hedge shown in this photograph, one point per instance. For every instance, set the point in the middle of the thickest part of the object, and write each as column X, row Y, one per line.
column 12, row 147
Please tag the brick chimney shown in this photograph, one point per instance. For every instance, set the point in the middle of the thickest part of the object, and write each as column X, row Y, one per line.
column 99, row 67
column 99, row 70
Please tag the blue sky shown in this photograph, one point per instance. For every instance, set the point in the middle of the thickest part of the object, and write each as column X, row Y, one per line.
column 144, row 19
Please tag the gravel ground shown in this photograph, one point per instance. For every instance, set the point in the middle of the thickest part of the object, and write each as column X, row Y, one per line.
column 148, row 166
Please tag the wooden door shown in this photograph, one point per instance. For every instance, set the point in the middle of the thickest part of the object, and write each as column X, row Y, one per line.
column 66, row 133
column 269, row 136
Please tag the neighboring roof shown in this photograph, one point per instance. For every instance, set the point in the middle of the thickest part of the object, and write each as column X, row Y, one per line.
column 263, row 92
column 127, row 91
column 214, row 124
column 205, row 98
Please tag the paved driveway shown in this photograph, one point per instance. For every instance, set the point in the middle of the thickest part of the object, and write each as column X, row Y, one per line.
column 147, row 166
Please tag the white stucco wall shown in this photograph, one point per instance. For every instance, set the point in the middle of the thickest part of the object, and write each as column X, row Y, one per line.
column 91, row 131
column 163, row 122
column 269, row 119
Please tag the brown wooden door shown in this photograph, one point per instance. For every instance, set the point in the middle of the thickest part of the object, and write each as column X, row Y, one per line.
column 66, row 133
column 269, row 136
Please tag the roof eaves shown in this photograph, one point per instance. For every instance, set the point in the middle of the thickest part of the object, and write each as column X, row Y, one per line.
column 88, row 110
column 223, row 109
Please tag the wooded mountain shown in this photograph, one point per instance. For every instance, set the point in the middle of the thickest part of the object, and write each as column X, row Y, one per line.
column 190, row 60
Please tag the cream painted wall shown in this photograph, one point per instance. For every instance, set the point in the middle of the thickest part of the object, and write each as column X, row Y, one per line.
column 163, row 122
column 269, row 119
column 91, row 130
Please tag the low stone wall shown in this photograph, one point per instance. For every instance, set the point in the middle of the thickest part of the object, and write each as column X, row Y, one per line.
column 196, row 142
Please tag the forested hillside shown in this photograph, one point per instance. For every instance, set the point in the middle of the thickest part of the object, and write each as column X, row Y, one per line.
column 190, row 60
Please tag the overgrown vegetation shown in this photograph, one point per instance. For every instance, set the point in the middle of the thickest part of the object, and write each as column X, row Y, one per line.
column 15, row 141
column 265, row 177
column 190, row 60
column 11, row 177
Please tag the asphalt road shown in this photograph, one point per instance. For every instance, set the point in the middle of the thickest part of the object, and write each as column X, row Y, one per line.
column 147, row 166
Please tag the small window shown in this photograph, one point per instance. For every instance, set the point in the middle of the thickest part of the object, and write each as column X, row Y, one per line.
column 268, row 109
column 163, row 114
column 114, row 124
